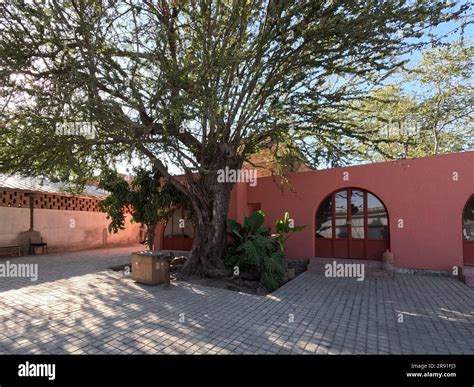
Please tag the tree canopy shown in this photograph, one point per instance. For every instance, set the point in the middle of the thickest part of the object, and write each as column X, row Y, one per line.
column 196, row 84
column 427, row 110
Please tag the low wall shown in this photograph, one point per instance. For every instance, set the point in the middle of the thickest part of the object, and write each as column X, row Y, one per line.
column 90, row 228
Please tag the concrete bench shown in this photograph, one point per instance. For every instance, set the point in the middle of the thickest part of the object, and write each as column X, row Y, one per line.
column 11, row 247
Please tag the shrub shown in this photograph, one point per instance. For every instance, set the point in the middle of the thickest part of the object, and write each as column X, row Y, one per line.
column 283, row 227
column 255, row 251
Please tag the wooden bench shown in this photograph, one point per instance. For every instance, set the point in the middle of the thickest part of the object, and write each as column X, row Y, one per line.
column 17, row 248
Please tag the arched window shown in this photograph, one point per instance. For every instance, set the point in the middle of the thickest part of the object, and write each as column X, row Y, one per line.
column 468, row 232
column 468, row 220
column 324, row 219
column 377, row 218
column 352, row 223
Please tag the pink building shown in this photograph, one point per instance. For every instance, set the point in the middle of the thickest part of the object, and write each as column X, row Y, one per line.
column 422, row 210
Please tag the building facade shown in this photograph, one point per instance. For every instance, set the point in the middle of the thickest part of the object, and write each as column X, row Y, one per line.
column 422, row 210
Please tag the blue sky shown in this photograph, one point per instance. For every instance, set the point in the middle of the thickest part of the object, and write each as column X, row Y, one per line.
column 447, row 29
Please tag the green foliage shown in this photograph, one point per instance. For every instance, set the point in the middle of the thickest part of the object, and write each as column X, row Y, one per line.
column 427, row 110
column 149, row 201
column 184, row 78
column 255, row 251
column 283, row 227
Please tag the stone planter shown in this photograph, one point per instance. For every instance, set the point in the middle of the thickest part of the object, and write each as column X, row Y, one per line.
column 150, row 267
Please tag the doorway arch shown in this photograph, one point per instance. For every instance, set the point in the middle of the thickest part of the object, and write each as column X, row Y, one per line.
column 468, row 232
column 352, row 223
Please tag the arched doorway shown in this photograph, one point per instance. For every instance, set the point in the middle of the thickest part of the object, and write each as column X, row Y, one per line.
column 352, row 223
column 179, row 231
column 468, row 232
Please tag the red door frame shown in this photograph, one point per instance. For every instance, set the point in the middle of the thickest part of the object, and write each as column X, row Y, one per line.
column 348, row 243
column 371, row 247
column 467, row 246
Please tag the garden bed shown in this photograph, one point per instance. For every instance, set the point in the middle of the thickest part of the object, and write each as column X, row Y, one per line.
column 244, row 283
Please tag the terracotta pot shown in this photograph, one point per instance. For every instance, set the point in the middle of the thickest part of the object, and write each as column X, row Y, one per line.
column 290, row 274
column 387, row 260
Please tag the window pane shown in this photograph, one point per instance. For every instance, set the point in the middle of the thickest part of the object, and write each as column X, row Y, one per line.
column 341, row 214
column 357, row 212
column 377, row 218
column 468, row 221
column 324, row 219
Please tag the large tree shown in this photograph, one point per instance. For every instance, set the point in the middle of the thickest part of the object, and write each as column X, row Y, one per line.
column 196, row 84
column 445, row 96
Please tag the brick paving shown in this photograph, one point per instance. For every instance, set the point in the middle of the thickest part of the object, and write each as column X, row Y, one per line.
column 77, row 306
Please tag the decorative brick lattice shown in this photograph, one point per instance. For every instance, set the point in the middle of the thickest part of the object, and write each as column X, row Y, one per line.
column 11, row 198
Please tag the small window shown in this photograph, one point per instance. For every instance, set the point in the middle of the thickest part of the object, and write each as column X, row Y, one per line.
column 341, row 215
column 179, row 218
column 357, row 215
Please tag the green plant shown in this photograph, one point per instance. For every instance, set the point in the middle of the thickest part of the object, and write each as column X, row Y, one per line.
column 283, row 227
column 148, row 200
column 255, row 251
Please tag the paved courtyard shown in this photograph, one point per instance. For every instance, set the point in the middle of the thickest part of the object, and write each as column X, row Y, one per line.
column 77, row 306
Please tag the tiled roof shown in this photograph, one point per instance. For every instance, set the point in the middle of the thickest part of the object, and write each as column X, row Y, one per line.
column 38, row 184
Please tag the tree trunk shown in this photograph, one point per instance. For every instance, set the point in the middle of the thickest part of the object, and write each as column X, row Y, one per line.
column 150, row 235
column 210, row 204
column 436, row 140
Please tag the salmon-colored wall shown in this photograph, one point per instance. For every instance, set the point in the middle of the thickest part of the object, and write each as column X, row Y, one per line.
column 90, row 231
column 422, row 192
column 238, row 202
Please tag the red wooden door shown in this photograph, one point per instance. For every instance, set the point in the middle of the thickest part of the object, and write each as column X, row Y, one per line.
column 352, row 223
column 357, row 224
column 341, row 229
